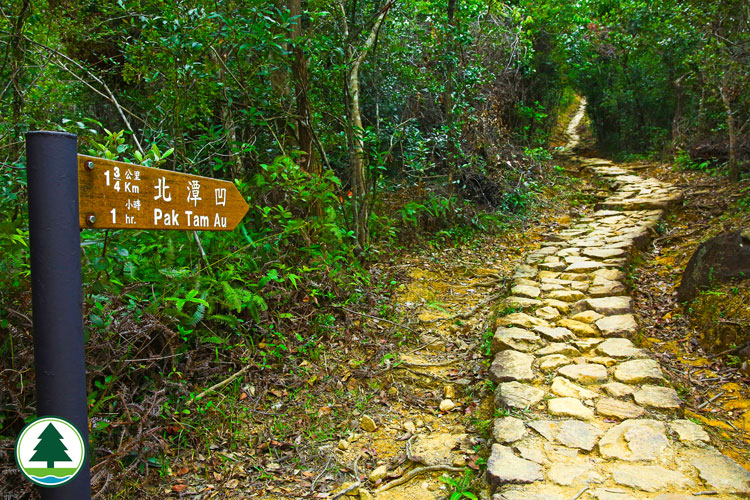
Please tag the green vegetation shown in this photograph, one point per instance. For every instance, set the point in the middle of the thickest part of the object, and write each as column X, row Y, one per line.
column 460, row 487
column 666, row 75
column 354, row 130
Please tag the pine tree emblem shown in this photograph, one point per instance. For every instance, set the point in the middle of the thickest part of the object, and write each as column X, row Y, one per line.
column 50, row 448
column 50, row 451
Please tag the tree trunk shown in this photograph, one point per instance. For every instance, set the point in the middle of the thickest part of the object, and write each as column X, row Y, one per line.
column 734, row 171
column 301, row 77
column 448, row 94
column 17, row 63
column 679, row 109
column 227, row 118
column 359, row 170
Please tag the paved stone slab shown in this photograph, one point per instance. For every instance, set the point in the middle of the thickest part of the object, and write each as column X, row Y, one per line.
column 584, row 266
column 581, row 286
column 603, row 253
column 566, row 295
column 553, row 265
column 525, row 281
column 618, row 389
column 508, row 430
column 569, row 407
column 608, row 306
column 577, row 434
column 689, row 432
column 522, row 302
column 610, row 274
column 524, row 271
column 615, row 408
column 517, row 395
column 573, row 277
column 618, row 348
column 521, row 320
column 556, row 334
column 549, row 287
column 516, row 339
column 634, row 440
column 504, row 466
column 529, row 291
column 603, row 360
column 639, row 371
column 548, row 313
column 565, row 388
column 587, row 316
column 607, row 289
column 619, row 324
column 569, row 474
column 657, row 397
column 561, row 306
column 547, row 428
column 722, row 473
column 578, row 327
column 531, row 452
column 558, row 348
column 649, row 478
column 547, row 275
column 570, row 259
column 552, row 362
column 511, row 365
column 586, row 344
column 585, row 373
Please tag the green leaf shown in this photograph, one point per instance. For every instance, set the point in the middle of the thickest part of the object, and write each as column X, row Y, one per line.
column 213, row 339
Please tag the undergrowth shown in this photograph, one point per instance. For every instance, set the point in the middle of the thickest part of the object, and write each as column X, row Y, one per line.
column 162, row 323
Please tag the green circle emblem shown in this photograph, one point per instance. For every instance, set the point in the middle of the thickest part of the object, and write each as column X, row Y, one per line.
column 50, row 451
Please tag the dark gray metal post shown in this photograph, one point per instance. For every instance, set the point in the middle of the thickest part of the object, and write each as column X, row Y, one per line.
column 57, row 297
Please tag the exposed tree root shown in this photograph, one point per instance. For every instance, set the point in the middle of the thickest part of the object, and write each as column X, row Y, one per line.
column 415, row 472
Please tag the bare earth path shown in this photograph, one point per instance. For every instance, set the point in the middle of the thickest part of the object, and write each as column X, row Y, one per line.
column 585, row 413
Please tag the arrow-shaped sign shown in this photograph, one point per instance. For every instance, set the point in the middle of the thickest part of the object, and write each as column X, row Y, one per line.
column 117, row 195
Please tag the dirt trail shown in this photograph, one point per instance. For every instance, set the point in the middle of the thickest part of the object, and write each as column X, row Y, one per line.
column 433, row 426
column 587, row 414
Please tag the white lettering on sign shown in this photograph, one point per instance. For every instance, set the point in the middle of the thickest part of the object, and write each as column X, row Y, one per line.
column 195, row 220
column 221, row 197
column 170, row 218
column 220, row 221
column 133, row 204
column 194, row 191
column 162, row 190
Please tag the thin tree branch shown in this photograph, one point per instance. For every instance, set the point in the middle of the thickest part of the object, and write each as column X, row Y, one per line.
column 110, row 96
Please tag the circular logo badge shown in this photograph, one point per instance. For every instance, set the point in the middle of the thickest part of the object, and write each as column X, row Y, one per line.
column 50, row 451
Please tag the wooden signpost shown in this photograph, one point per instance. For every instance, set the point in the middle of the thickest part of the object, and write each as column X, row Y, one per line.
column 116, row 195
column 68, row 192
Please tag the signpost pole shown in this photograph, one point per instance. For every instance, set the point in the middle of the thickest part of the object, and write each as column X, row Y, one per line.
column 57, row 297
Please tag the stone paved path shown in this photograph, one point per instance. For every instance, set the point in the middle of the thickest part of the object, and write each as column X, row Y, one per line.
column 588, row 414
